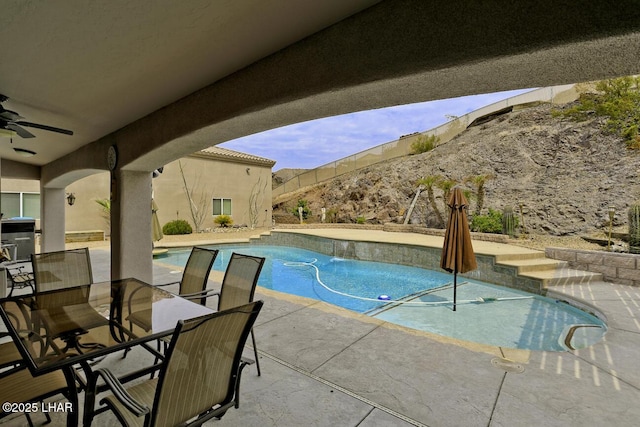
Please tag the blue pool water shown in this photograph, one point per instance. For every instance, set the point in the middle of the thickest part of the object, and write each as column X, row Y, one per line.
column 485, row 313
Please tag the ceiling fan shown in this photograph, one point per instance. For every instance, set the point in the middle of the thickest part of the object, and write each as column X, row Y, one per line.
column 12, row 121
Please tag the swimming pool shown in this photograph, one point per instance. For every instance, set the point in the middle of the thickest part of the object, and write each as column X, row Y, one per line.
column 487, row 314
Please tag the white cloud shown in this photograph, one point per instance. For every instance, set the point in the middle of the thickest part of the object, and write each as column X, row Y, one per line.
column 318, row 142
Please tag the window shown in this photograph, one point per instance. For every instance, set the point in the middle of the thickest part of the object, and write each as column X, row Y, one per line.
column 222, row 206
column 20, row 204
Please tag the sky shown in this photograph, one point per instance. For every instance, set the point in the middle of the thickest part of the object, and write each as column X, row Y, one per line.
column 314, row 143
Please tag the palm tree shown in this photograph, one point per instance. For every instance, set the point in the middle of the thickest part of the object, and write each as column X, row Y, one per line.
column 106, row 210
column 429, row 182
column 478, row 181
column 446, row 185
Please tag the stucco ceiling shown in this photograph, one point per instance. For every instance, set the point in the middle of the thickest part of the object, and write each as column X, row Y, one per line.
column 165, row 78
column 95, row 66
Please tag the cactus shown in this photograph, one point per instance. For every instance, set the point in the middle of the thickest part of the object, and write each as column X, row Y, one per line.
column 509, row 221
column 634, row 228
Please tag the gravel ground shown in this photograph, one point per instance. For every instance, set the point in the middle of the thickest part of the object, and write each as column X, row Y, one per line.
column 541, row 242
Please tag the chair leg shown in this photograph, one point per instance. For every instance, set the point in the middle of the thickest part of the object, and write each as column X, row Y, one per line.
column 29, row 419
column 255, row 351
column 159, row 344
column 237, row 397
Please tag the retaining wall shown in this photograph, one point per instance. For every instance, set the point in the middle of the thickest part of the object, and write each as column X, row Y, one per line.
column 620, row 268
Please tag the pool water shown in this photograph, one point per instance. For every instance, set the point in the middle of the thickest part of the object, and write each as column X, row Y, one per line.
column 486, row 313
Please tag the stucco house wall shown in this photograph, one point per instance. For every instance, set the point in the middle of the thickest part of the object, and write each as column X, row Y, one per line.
column 218, row 174
column 211, row 173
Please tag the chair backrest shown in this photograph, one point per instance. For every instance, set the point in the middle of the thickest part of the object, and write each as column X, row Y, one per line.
column 196, row 272
column 240, row 280
column 201, row 366
column 62, row 269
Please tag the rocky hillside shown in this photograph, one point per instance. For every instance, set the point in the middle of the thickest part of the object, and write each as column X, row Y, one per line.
column 283, row 175
column 565, row 173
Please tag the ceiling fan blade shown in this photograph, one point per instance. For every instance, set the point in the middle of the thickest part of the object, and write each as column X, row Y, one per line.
column 9, row 116
column 20, row 131
column 45, row 127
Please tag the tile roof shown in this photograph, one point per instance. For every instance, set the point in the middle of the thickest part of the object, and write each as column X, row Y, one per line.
column 224, row 154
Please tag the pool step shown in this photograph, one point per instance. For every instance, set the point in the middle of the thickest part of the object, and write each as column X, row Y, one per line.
column 535, row 264
column 548, row 272
column 519, row 254
column 563, row 276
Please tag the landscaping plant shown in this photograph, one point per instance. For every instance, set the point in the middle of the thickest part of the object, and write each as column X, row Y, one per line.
column 178, row 226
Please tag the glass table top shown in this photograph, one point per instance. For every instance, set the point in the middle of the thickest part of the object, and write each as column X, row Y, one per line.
column 58, row 328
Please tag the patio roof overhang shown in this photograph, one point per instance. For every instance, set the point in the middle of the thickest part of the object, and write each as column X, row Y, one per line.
column 165, row 80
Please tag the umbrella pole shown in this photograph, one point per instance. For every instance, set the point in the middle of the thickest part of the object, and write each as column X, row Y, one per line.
column 455, row 280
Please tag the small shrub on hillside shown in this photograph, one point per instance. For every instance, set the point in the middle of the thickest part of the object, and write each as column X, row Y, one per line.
column 489, row 223
column 332, row 215
column 361, row 220
column 424, row 143
column 618, row 100
column 179, row 226
column 223, row 220
column 305, row 209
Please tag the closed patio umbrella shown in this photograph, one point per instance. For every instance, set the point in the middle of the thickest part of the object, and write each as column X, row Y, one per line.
column 457, row 251
column 156, row 229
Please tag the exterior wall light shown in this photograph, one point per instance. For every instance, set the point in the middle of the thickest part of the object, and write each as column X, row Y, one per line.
column 71, row 199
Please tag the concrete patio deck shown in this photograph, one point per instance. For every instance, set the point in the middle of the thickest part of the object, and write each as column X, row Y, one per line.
column 326, row 366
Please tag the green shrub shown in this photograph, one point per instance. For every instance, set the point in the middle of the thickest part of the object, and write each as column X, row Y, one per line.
column 223, row 220
column 618, row 100
column 489, row 223
column 332, row 215
column 361, row 220
column 305, row 209
column 179, row 226
column 424, row 143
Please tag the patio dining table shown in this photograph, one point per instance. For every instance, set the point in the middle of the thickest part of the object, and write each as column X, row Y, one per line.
column 72, row 327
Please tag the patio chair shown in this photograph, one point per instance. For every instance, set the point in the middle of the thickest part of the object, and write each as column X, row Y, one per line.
column 10, row 357
column 239, row 286
column 19, row 278
column 198, row 380
column 61, row 269
column 21, row 387
column 57, row 271
column 17, row 385
column 193, row 283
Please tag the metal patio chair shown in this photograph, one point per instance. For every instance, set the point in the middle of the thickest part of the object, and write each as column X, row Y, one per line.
column 239, row 286
column 21, row 387
column 17, row 385
column 60, row 270
column 198, row 380
column 193, row 283
column 19, row 278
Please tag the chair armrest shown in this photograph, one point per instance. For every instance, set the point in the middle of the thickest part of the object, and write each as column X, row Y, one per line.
column 167, row 284
column 203, row 294
column 119, row 392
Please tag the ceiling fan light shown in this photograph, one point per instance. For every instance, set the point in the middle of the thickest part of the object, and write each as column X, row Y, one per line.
column 24, row 152
column 7, row 133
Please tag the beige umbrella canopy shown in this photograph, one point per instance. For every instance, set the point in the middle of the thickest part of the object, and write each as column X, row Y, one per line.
column 457, row 251
column 156, row 229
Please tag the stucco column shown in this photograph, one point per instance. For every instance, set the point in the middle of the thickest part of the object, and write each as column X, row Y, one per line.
column 131, row 246
column 52, row 224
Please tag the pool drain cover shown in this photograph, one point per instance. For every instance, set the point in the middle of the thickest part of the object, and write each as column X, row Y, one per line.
column 507, row 365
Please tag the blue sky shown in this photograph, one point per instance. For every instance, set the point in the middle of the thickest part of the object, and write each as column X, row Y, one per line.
column 314, row 143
